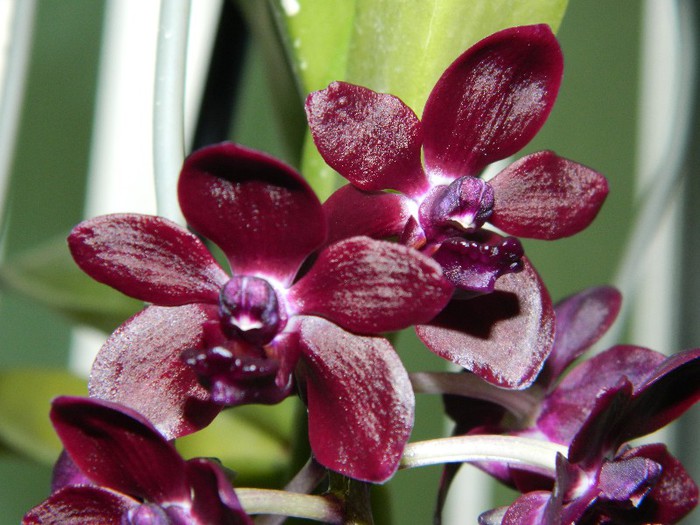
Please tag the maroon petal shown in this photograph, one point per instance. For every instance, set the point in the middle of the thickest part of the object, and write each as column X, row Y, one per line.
column 213, row 498
column 370, row 286
column 352, row 212
column 528, row 509
column 491, row 101
column 118, row 449
column 581, row 320
column 566, row 408
column 372, row 139
column 66, row 472
column 80, row 506
column 139, row 366
column 359, row 398
column 149, row 258
column 503, row 337
column 665, row 394
column 543, row 196
column 259, row 211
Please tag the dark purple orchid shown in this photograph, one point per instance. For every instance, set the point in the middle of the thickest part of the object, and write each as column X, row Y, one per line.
column 604, row 402
column 486, row 106
column 243, row 335
column 118, row 469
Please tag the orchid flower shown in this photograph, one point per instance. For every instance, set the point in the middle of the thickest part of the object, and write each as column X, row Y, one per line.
column 243, row 335
column 118, row 469
column 485, row 107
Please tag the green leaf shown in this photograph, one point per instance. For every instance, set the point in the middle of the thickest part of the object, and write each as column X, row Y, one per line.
column 48, row 275
column 25, row 399
column 253, row 440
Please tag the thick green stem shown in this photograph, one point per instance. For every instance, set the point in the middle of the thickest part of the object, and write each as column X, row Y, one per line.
column 264, row 501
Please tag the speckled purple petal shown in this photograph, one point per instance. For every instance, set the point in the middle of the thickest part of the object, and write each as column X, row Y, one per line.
column 491, row 101
column 353, row 212
column 565, row 409
column 503, row 337
column 80, row 506
column 149, row 258
column 673, row 495
column 543, row 196
column 581, row 320
column 66, row 472
column 140, row 367
column 368, row 286
column 372, row 139
column 259, row 211
column 118, row 449
column 359, row 398
column 214, row 500
column 528, row 509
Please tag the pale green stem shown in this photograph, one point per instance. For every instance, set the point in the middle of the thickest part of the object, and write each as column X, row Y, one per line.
column 169, row 105
column 12, row 94
column 513, row 450
column 264, row 501
column 519, row 403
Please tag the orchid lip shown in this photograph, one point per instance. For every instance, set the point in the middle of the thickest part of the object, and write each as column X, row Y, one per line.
column 250, row 309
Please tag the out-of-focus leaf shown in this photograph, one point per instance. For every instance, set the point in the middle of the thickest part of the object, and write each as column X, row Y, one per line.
column 47, row 274
column 25, row 398
column 253, row 440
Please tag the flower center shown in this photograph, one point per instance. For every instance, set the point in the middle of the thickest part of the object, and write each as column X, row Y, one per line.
column 466, row 204
column 249, row 309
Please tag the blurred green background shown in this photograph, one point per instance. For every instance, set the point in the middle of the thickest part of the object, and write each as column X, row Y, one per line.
column 593, row 122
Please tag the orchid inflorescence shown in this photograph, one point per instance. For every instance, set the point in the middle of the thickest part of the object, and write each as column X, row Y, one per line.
column 313, row 288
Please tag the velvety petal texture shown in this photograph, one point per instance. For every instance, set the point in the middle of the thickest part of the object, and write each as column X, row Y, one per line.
column 80, row 505
column 372, row 139
column 113, row 445
column 504, row 337
column 140, row 367
column 149, row 258
column 491, row 101
column 368, row 286
column 259, row 211
column 543, row 196
column 360, row 401
column 379, row 215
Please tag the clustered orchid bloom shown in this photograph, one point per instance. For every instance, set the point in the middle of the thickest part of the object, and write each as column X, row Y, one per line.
column 312, row 287
column 118, row 469
column 244, row 335
column 595, row 409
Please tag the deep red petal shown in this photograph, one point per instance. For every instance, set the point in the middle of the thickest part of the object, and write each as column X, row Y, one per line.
column 149, row 258
column 581, row 320
column 565, row 409
column 259, row 211
column 118, row 449
column 360, row 401
column 368, row 286
column 354, row 212
column 140, row 367
column 503, row 337
column 491, row 101
column 80, row 506
column 372, row 139
column 213, row 497
column 543, row 196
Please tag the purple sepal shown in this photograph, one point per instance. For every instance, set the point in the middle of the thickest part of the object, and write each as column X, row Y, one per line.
column 372, row 139
column 353, row 212
column 66, row 472
column 259, row 211
column 148, row 258
column 80, row 505
column 581, row 320
column 503, row 337
column 360, row 401
column 140, row 367
column 528, row 509
column 369, row 286
column 543, row 196
column 491, row 101
column 213, row 497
